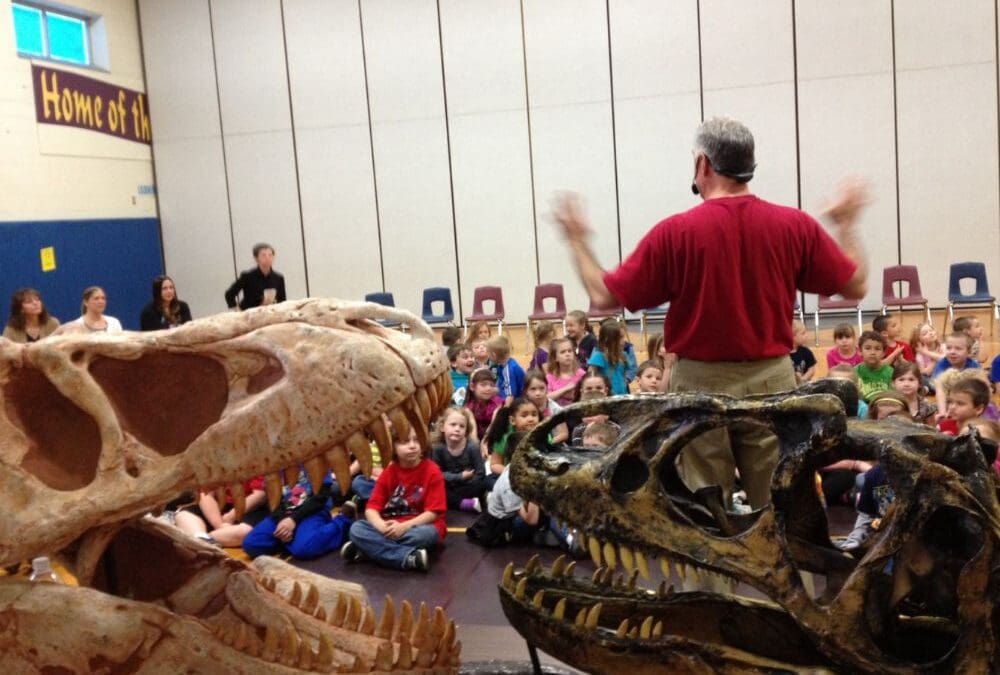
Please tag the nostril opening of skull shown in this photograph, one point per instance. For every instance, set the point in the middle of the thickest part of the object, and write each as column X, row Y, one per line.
column 630, row 474
column 77, row 356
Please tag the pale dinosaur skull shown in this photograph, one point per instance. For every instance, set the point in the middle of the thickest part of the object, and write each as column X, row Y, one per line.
column 922, row 599
column 96, row 431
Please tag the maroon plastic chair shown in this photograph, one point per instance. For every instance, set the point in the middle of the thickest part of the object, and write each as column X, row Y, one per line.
column 651, row 313
column 825, row 302
column 596, row 314
column 902, row 274
column 545, row 292
column 480, row 297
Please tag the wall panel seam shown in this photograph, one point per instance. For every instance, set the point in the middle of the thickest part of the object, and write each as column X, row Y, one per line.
column 614, row 134
column 371, row 147
column 531, row 154
column 222, row 135
column 295, row 149
column 895, row 133
column 451, row 174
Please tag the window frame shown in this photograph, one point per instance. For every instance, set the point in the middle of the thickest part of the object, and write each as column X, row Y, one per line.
column 63, row 12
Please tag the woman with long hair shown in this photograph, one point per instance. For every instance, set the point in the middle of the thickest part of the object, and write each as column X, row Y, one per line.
column 165, row 310
column 29, row 321
column 92, row 319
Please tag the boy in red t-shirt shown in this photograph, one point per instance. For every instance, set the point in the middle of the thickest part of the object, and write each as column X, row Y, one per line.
column 404, row 517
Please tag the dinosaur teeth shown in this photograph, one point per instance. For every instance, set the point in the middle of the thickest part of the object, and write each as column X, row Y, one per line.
column 405, row 620
column 324, row 656
column 445, row 645
column 320, row 613
column 384, row 629
column 646, row 629
column 340, row 463
column 295, row 598
column 404, row 659
column 270, row 651
column 357, row 445
column 400, row 424
column 606, row 576
column 595, row 578
column 536, row 601
column 354, row 612
column 423, row 403
column 290, row 647
column 570, row 568
column 367, row 624
column 622, row 629
column 239, row 499
column 628, row 558
column 593, row 615
column 657, row 630
column 665, row 566
column 618, row 581
column 339, row 610
column 560, row 609
column 581, row 618
column 609, row 555
column 632, row 579
column 558, row 566
column 306, row 657
column 380, row 434
column 311, row 600
column 508, row 575
column 383, row 657
column 316, row 470
column 594, row 547
column 272, row 486
column 419, row 425
column 642, row 565
column 682, row 571
column 520, row 588
column 532, row 564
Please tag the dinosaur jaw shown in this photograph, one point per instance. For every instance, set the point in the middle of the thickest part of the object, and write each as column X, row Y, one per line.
column 203, row 612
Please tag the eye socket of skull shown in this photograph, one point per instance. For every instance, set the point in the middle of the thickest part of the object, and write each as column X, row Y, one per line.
column 630, row 474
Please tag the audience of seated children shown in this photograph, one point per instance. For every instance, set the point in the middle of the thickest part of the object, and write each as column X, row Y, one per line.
column 455, row 450
column 650, row 374
column 927, row 349
column 482, row 399
column 217, row 523
column 579, row 331
column 29, row 321
column 405, row 515
column 592, row 387
column 610, row 357
column 970, row 326
column 850, row 373
column 888, row 327
column 966, row 399
column 888, row 403
column 165, row 310
column 521, row 416
column 845, row 350
column 536, row 390
column 564, row 371
column 480, row 353
column 301, row 524
column 656, row 351
column 510, row 374
column 956, row 356
column 462, row 364
column 543, row 334
column 906, row 381
column 803, row 360
column 874, row 374
column 92, row 319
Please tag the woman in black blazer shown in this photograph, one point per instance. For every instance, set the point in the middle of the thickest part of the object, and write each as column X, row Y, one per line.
column 165, row 311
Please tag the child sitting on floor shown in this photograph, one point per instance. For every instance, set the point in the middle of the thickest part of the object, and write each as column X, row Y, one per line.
column 510, row 374
column 610, row 358
column 456, row 452
column 579, row 331
column 849, row 373
column 404, row 518
column 301, row 525
column 482, row 400
column 520, row 416
column 600, row 435
column 927, row 349
column 544, row 332
column 536, row 390
column 966, row 399
column 970, row 326
column 803, row 360
column 479, row 330
column 874, row 375
column 649, row 375
column 226, row 530
column 906, row 381
column 956, row 356
column 480, row 353
column 888, row 327
column 462, row 363
column 846, row 347
column 564, row 372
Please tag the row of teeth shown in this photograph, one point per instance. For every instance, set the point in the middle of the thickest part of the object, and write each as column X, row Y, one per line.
column 602, row 576
column 606, row 554
column 414, row 413
column 420, row 641
column 587, row 618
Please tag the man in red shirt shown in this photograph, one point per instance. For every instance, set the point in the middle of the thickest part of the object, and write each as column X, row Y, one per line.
column 730, row 268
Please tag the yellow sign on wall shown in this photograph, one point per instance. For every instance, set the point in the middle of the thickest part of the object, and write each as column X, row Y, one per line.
column 48, row 255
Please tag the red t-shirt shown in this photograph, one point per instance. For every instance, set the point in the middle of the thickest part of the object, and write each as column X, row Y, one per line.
column 729, row 268
column 401, row 494
column 907, row 350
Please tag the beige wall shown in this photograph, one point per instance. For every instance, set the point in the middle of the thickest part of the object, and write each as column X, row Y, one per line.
column 419, row 143
column 54, row 173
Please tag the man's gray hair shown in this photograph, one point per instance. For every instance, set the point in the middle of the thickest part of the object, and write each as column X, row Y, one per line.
column 728, row 144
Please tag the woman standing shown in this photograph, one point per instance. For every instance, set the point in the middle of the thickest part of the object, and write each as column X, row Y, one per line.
column 29, row 320
column 94, row 320
column 165, row 311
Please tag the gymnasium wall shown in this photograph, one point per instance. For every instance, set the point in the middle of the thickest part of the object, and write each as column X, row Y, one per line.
column 87, row 196
column 390, row 144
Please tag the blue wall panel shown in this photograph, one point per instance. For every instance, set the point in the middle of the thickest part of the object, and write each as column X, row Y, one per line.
column 120, row 255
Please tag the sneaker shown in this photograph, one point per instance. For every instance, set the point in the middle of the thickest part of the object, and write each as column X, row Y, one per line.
column 349, row 552
column 349, row 509
column 471, row 505
column 417, row 560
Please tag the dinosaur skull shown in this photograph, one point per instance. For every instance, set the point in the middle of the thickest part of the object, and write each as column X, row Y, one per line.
column 96, row 430
column 921, row 599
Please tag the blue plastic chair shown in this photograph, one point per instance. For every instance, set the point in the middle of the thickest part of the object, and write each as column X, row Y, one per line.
column 442, row 295
column 380, row 298
column 980, row 296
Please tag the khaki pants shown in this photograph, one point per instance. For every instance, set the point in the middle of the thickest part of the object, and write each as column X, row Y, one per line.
column 713, row 457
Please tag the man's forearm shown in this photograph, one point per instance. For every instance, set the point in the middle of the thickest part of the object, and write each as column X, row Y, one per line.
column 592, row 275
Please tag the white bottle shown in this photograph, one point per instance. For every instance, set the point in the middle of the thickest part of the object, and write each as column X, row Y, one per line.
column 41, row 570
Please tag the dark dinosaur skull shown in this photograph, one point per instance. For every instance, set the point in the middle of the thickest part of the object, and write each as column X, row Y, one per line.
column 921, row 598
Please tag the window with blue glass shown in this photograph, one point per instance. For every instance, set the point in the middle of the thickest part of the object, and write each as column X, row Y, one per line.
column 45, row 33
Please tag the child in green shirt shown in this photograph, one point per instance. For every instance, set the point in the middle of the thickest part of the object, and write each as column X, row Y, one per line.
column 873, row 375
